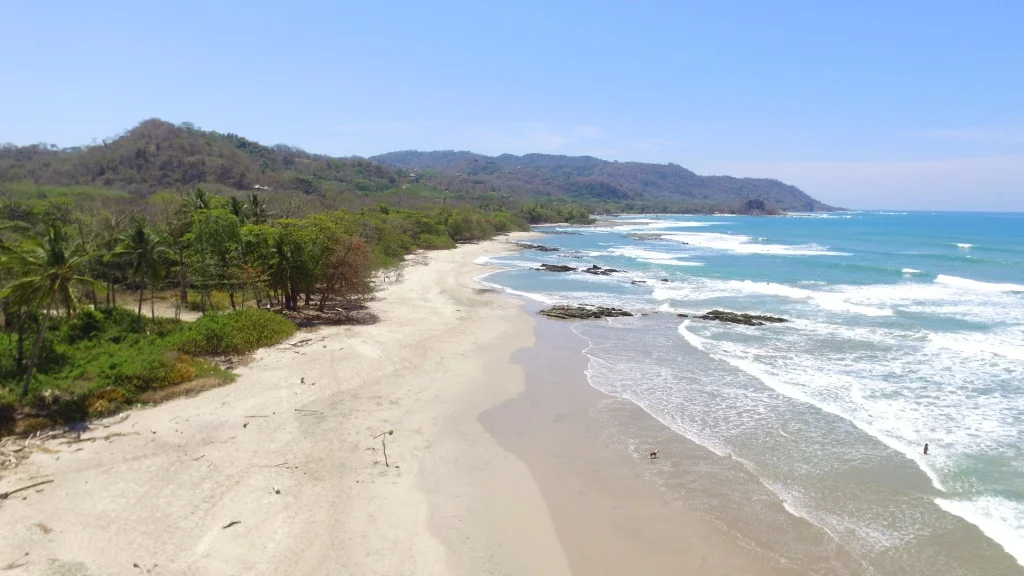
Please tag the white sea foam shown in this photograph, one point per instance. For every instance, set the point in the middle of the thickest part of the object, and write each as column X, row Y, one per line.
column 700, row 289
column 794, row 385
column 631, row 252
column 954, row 390
column 819, row 215
column 504, row 262
column 542, row 298
column 666, row 262
column 1008, row 343
column 965, row 246
column 911, row 271
column 976, row 285
column 644, row 226
column 653, row 257
column 745, row 244
column 998, row 518
column 694, row 340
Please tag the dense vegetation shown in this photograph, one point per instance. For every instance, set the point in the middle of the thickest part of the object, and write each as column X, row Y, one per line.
column 614, row 186
column 71, row 351
column 158, row 156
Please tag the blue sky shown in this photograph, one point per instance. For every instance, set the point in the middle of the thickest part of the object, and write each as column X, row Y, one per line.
column 868, row 104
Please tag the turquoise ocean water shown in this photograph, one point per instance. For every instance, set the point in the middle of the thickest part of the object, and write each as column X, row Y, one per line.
column 905, row 328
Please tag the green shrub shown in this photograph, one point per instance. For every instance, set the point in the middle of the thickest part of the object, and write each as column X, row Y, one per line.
column 233, row 333
column 432, row 242
column 87, row 324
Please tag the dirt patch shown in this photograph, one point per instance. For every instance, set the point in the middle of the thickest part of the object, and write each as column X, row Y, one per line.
column 190, row 388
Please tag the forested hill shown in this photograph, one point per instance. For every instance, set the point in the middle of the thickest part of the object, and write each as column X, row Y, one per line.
column 618, row 182
column 157, row 155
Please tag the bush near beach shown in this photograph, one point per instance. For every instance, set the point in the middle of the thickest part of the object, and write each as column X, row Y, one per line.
column 97, row 362
column 233, row 333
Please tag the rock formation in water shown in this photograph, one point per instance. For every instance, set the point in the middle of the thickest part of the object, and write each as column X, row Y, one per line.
column 595, row 269
column 564, row 312
column 745, row 319
column 538, row 247
column 556, row 268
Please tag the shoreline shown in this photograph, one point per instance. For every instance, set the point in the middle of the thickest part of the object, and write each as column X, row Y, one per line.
column 616, row 510
column 889, row 493
column 278, row 473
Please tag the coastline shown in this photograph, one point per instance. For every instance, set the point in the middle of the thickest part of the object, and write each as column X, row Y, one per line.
column 277, row 472
column 617, row 511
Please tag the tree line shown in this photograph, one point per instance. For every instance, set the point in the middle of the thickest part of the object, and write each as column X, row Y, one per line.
column 60, row 263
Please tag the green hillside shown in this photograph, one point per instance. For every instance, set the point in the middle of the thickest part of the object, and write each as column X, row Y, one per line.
column 630, row 185
column 157, row 155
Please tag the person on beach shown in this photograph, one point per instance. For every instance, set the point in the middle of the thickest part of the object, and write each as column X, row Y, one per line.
column 925, row 448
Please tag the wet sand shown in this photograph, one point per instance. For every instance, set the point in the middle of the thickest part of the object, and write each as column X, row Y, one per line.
column 615, row 510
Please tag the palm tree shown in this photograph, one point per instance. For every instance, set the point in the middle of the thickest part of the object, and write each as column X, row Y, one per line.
column 239, row 209
column 48, row 269
column 258, row 211
column 198, row 200
column 284, row 273
column 146, row 250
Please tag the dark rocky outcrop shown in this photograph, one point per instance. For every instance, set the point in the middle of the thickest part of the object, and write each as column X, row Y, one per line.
column 556, row 268
column 563, row 312
column 595, row 269
column 538, row 247
column 745, row 319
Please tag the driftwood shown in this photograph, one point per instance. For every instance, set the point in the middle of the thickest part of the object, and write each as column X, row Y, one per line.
column 383, row 436
column 6, row 495
column 230, row 524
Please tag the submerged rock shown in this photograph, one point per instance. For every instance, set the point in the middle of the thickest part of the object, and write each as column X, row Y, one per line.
column 556, row 268
column 745, row 319
column 564, row 312
column 538, row 247
column 644, row 236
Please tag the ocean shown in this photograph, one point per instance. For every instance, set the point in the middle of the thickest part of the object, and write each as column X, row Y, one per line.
column 905, row 328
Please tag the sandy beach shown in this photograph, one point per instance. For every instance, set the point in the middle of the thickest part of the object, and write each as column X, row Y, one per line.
column 503, row 460
column 286, row 452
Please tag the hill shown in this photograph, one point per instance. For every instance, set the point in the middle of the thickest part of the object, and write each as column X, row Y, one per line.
column 157, row 155
column 623, row 183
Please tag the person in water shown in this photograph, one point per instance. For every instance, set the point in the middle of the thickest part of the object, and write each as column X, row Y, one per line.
column 925, row 448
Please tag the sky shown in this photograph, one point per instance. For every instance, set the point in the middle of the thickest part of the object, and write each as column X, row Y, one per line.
column 900, row 105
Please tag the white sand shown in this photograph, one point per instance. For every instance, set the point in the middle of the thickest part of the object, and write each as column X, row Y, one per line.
column 452, row 502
